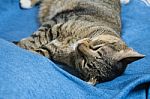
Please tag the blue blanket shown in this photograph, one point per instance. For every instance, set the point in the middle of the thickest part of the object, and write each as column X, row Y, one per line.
column 25, row 75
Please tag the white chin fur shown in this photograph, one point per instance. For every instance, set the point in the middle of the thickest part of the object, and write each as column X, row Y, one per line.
column 26, row 4
column 125, row 1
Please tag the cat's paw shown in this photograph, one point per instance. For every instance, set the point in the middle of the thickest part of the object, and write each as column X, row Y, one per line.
column 147, row 2
column 26, row 4
column 124, row 1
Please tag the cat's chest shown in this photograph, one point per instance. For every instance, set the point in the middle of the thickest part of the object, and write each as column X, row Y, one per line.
column 68, row 43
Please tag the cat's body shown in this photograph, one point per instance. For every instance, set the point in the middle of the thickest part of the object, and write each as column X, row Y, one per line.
column 83, row 34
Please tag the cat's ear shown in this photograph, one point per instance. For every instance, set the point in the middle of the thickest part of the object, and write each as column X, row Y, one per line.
column 128, row 56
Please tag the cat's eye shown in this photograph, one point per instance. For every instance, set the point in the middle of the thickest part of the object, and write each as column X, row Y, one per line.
column 96, row 47
column 89, row 65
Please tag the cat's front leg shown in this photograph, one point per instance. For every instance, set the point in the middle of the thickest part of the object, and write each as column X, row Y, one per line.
column 39, row 38
column 58, row 51
column 47, row 50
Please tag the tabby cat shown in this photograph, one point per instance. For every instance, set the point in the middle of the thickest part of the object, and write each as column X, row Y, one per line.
column 84, row 35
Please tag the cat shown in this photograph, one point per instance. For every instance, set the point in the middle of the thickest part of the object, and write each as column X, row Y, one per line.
column 82, row 34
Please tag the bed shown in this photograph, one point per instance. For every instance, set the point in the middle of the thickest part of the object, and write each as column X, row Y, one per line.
column 25, row 75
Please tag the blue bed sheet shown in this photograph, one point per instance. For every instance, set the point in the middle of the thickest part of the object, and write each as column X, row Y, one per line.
column 25, row 75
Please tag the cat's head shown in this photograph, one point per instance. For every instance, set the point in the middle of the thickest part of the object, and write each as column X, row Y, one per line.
column 103, row 58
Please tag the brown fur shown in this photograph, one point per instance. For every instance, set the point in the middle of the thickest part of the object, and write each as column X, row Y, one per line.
column 83, row 34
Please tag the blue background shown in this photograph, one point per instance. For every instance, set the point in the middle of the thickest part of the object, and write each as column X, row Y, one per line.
column 24, row 75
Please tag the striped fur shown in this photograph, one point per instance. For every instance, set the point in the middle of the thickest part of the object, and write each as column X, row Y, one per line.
column 84, row 35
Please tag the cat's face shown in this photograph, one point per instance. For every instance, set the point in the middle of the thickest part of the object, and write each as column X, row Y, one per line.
column 103, row 58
